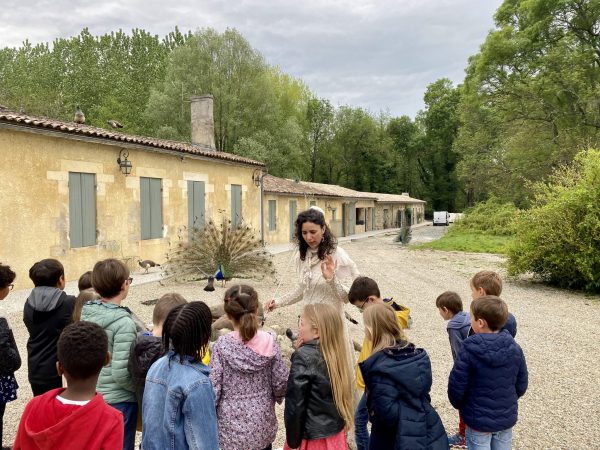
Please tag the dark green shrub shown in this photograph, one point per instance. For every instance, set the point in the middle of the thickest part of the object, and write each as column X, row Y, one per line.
column 404, row 236
column 558, row 239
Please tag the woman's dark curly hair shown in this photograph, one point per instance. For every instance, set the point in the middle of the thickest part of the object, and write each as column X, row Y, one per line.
column 329, row 242
column 187, row 330
column 7, row 276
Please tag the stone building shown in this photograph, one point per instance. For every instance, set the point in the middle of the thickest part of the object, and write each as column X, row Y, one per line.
column 80, row 193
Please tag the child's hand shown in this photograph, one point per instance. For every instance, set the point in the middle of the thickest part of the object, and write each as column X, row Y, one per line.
column 328, row 267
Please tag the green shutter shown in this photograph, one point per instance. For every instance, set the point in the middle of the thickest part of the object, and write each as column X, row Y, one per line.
column 156, row 208
column 151, row 207
column 145, row 207
column 236, row 205
column 88, row 208
column 75, row 213
column 272, row 215
column 196, row 208
column 82, row 209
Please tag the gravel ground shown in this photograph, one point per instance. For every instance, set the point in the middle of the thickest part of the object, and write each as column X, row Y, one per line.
column 558, row 330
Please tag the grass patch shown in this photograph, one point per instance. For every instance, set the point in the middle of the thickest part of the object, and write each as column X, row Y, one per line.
column 469, row 242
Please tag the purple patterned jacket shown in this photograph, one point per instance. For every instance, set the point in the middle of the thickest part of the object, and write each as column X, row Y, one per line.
column 247, row 385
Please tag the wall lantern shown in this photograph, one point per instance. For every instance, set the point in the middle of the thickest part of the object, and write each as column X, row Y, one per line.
column 124, row 164
column 257, row 177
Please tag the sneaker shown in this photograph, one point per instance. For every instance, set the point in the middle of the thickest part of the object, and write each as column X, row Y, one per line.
column 457, row 441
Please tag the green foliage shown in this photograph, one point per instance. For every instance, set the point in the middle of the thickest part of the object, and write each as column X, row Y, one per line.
column 238, row 251
column 492, row 217
column 530, row 97
column 437, row 159
column 464, row 241
column 558, row 239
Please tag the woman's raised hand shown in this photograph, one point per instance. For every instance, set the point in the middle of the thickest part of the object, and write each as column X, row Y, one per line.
column 270, row 306
column 328, row 267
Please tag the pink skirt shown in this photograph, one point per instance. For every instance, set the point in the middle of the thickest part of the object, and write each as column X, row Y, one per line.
column 335, row 442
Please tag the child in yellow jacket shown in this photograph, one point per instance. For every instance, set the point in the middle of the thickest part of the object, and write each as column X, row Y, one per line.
column 364, row 293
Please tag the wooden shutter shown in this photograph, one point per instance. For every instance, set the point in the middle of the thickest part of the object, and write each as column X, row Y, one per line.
column 156, row 208
column 196, row 207
column 236, row 205
column 272, row 215
column 145, row 207
column 82, row 209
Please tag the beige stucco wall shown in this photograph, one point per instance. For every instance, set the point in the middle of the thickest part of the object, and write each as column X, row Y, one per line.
column 34, row 200
column 393, row 209
column 282, row 233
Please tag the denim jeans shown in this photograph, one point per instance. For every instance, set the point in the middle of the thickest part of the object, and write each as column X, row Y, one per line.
column 361, row 419
column 129, row 411
column 479, row 440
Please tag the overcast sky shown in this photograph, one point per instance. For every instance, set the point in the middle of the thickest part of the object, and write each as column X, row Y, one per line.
column 376, row 54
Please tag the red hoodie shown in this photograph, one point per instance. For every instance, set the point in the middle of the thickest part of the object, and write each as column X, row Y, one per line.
column 48, row 424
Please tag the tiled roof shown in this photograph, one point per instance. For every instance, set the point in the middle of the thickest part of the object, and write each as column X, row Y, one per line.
column 394, row 198
column 339, row 191
column 73, row 129
column 287, row 186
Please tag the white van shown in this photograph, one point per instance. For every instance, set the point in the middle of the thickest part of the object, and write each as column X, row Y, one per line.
column 455, row 217
column 441, row 218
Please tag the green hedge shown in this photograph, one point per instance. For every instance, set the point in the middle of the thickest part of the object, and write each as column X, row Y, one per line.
column 558, row 239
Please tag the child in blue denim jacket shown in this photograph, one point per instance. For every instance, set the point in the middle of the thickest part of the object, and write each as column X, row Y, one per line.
column 179, row 402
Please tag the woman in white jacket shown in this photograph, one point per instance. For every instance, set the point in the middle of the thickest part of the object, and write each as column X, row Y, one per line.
column 325, row 271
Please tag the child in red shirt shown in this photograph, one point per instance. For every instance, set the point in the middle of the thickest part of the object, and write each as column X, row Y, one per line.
column 76, row 417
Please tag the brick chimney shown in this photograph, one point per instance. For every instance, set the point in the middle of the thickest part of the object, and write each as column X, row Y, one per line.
column 203, row 128
column 405, row 194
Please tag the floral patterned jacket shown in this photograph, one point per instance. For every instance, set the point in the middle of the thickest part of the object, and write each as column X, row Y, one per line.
column 247, row 384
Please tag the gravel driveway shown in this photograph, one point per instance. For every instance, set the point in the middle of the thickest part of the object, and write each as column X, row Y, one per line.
column 558, row 330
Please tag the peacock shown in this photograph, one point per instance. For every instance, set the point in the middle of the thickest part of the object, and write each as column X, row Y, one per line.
column 221, row 275
column 147, row 264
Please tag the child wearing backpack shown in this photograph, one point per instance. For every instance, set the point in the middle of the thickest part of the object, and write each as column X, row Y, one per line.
column 178, row 409
column 248, row 376
column 398, row 381
column 319, row 408
column 10, row 360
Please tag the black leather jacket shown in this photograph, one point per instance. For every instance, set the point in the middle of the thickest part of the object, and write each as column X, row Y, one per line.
column 310, row 411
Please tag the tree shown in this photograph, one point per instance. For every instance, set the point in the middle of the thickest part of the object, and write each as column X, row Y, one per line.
column 319, row 117
column 437, row 159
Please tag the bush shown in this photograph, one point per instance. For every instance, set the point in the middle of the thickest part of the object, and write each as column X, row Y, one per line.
column 558, row 239
column 404, row 236
column 489, row 217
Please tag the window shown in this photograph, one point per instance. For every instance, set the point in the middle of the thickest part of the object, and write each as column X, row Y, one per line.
column 272, row 215
column 333, row 213
column 313, row 203
column 82, row 209
column 236, row 205
column 151, row 207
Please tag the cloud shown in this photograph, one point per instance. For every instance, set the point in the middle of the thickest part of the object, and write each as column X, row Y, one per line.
column 375, row 54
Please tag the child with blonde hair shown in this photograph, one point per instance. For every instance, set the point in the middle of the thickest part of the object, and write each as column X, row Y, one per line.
column 248, row 376
column 319, row 408
column 398, row 380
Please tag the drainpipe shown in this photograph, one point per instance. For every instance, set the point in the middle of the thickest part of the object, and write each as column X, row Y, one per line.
column 262, row 211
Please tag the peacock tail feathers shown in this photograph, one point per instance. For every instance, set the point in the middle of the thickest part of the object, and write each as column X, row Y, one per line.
column 234, row 252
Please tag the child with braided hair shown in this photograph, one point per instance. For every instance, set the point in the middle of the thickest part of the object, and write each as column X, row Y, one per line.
column 248, row 375
column 178, row 405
